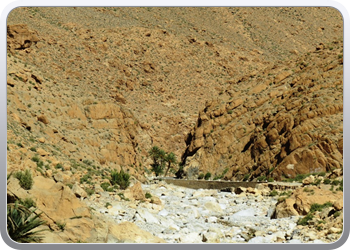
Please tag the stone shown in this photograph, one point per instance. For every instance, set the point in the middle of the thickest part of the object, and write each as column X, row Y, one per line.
column 20, row 37
column 147, row 216
column 191, row 238
column 42, row 152
column 78, row 191
column 135, row 192
column 56, row 200
column 127, row 231
column 213, row 207
column 41, row 140
column 309, row 180
column 43, row 119
column 259, row 240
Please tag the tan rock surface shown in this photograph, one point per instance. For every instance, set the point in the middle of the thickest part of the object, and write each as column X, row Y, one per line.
column 129, row 232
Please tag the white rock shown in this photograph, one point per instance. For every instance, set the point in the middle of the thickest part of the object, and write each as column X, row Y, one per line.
column 147, row 216
column 191, row 238
column 211, row 237
column 213, row 206
column 163, row 212
column 211, row 219
column 259, row 240
column 246, row 213
column 295, row 241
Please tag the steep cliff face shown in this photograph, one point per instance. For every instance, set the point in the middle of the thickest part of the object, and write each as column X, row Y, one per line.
column 283, row 121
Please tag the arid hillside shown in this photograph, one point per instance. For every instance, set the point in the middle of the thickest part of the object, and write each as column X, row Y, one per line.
column 287, row 120
column 104, row 85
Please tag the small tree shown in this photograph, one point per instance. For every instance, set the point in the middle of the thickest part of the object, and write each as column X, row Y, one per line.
column 170, row 158
column 158, row 156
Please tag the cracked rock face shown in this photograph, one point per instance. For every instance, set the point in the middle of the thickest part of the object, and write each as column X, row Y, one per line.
column 274, row 128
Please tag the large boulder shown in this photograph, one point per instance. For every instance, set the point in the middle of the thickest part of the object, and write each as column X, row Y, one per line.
column 57, row 201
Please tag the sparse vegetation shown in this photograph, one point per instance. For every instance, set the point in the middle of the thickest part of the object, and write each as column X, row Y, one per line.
column 25, row 179
column 314, row 207
column 121, row 178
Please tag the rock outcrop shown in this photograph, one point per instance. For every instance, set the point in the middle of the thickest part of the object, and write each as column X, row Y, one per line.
column 278, row 123
column 301, row 200
column 20, row 37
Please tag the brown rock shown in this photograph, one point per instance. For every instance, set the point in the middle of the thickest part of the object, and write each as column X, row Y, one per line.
column 20, row 37
column 43, row 119
column 135, row 192
column 78, row 191
column 42, row 152
column 11, row 82
column 285, row 209
column 41, row 140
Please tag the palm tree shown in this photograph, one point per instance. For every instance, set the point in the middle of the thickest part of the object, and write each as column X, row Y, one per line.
column 158, row 156
column 170, row 158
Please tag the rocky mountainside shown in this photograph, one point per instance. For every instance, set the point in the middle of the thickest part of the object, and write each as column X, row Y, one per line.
column 162, row 64
column 283, row 121
column 241, row 93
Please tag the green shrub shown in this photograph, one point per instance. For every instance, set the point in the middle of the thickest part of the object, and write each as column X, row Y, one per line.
column 59, row 165
column 28, row 203
column 21, row 222
column 85, row 178
column 273, row 193
column 270, row 179
column 25, row 179
column 317, row 207
column 314, row 207
column 105, row 186
column 304, row 221
column 60, row 225
column 201, row 176
column 121, row 195
column 326, row 181
column 89, row 191
column 148, row 195
column 335, row 183
column 261, row 178
column 207, row 176
column 36, row 158
column 120, row 178
column 108, row 204
column 336, row 214
column 246, row 177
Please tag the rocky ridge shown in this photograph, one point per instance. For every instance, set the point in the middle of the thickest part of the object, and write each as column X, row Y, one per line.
column 286, row 121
